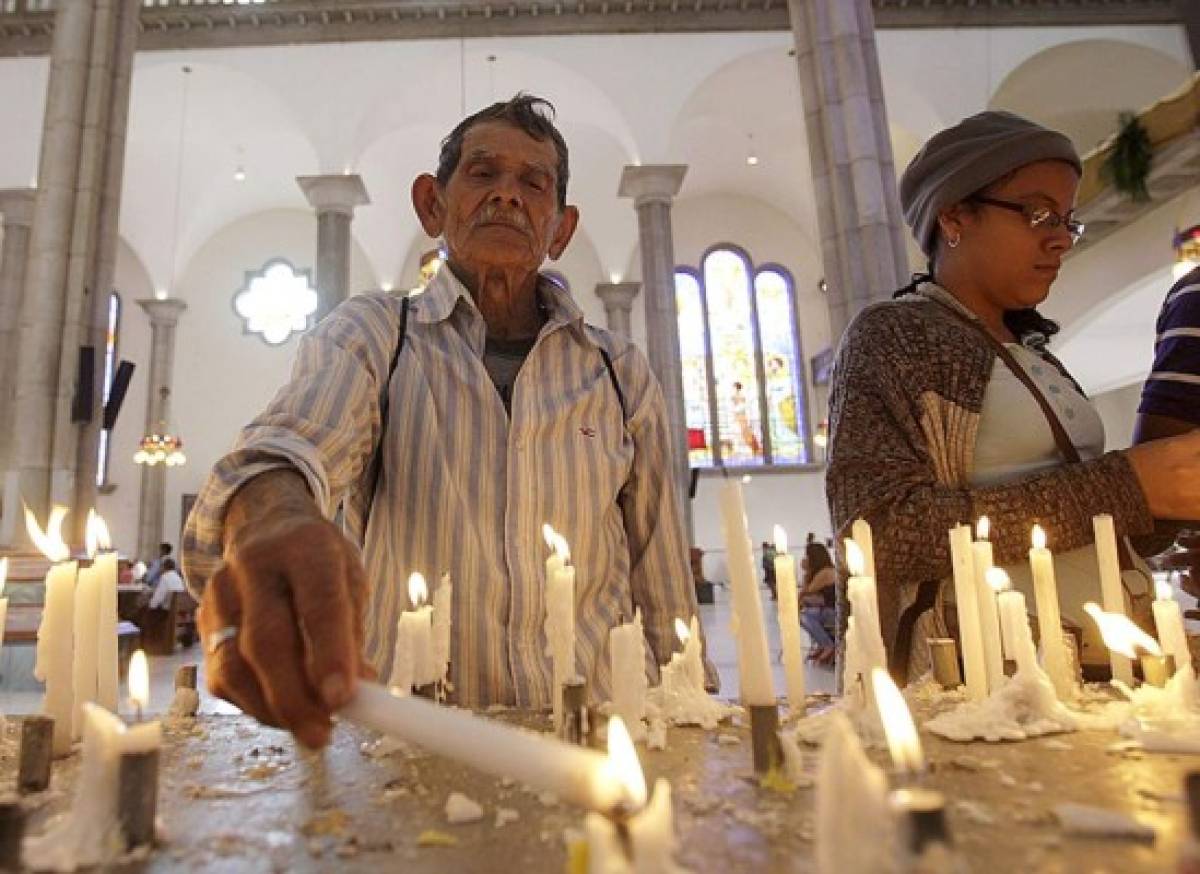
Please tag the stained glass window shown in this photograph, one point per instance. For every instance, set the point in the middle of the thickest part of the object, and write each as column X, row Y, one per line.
column 742, row 365
column 110, row 369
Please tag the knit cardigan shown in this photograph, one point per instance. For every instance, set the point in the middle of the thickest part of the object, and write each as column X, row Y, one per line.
column 905, row 405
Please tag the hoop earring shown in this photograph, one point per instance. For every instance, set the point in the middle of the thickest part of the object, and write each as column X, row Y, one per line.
column 953, row 242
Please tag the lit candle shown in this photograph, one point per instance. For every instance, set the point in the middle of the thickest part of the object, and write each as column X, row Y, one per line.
column 989, row 617
column 443, row 604
column 966, row 598
column 681, row 697
column 412, row 661
column 850, row 791
column 1045, row 590
column 560, row 616
column 627, row 661
column 1112, row 592
column 55, row 643
column 573, row 773
column 1121, row 635
column 1014, row 621
column 864, row 608
column 788, row 608
column 89, row 588
column 860, row 533
column 1168, row 619
column 754, row 661
column 903, row 742
column 641, row 839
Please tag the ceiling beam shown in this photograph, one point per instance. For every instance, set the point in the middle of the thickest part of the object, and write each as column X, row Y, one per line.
column 280, row 22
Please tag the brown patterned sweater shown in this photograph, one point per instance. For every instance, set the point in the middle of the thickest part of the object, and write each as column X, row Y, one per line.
column 905, row 404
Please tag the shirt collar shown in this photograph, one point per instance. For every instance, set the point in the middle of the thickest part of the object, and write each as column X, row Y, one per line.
column 439, row 299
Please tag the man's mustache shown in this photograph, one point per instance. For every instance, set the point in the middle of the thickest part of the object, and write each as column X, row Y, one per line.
column 491, row 215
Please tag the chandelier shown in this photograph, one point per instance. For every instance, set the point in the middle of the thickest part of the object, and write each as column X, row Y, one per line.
column 161, row 448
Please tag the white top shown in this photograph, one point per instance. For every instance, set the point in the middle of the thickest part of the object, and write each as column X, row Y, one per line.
column 169, row 582
column 1015, row 442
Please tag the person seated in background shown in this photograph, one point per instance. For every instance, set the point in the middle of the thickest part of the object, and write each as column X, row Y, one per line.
column 124, row 572
column 818, row 600
column 169, row 582
column 768, row 566
column 156, row 566
column 947, row 405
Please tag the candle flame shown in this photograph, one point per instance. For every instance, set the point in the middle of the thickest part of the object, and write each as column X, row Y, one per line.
column 561, row 548
column 624, row 765
column 549, row 535
column 1039, row 537
column 3, row 573
column 681, row 629
column 139, row 680
column 1120, row 634
column 49, row 542
column 1162, row 590
column 982, row 528
column 418, row 591
column 96, row 536
column 902, row 739
column 855, row 561
column 780, row 540
column 998, row 579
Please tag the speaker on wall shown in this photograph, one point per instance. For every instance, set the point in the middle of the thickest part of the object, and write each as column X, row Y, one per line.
column 85, row 376
column 116, row 394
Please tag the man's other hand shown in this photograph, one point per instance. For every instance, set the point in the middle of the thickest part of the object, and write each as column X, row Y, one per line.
column 294, row 589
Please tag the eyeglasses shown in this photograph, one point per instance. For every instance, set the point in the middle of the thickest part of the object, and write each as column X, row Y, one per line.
column 1039, row 217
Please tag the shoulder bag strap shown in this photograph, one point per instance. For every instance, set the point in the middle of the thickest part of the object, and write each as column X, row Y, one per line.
column 376, row 468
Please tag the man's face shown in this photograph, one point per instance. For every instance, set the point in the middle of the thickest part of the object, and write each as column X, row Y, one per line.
column 500, row 207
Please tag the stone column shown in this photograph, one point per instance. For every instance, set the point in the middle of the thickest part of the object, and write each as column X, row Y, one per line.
column 334, row 198
column 850, row 153
column 653, row 187
column 618, row 305
column 16, row 207
column 43, row 304
column 1189, row 16
column 164, row 316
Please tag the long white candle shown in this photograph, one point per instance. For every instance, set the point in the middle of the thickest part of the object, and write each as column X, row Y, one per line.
column 1168, row 619
column 754, row 661
column 3, row 601
column 627, row 661
column 443, row 605
column 851, row 790
column 967, row 603
column 1045, row 590
column 989, row 617
column 1112, row 593
column 86, row 621
column 1018, row 639
column 55, row 642
column 560, row 620
column 105, row 568
column 864, row 607
column 860, row 532
column 575, row 774
column 788, row 608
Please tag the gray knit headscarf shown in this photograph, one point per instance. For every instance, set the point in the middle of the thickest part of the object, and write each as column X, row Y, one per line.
column 964, row 159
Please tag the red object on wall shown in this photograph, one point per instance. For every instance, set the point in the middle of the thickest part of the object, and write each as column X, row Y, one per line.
column 696, row 439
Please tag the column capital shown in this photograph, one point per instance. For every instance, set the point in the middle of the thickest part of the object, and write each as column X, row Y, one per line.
column 336, row 192
column 16, row 206
column 651, row 183
column 163, row 312
column 618, row 295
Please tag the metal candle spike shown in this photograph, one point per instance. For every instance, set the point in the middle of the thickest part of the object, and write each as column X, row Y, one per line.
column 764, row 737
column 37, row 751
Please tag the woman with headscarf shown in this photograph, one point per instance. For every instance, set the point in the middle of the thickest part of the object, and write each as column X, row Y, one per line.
column 946, row 405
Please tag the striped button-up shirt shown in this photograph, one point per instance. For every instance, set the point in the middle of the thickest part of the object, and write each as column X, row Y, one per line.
column 1173, row 387
column 464, row 489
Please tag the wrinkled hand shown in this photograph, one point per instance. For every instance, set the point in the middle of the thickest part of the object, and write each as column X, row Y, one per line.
column 295, row 589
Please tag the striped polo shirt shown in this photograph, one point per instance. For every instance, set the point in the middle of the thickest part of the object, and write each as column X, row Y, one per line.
column 465, row 489
column 1173, row 387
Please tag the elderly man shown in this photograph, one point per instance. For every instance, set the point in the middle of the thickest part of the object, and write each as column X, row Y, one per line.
column 448, row 431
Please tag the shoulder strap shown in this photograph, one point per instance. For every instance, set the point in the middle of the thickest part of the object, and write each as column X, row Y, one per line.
column 1065, row 446
column 376, row 467
column 612, row 375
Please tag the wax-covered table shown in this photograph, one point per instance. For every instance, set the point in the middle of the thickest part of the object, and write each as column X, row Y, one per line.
column 236, row 797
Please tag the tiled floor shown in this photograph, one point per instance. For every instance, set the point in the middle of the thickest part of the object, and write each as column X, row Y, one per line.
column 19, row 693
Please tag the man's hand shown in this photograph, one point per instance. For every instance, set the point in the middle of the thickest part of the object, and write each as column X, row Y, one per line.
column 294, row 589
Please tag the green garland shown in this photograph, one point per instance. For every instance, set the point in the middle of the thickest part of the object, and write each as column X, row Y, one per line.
column 1127, row 167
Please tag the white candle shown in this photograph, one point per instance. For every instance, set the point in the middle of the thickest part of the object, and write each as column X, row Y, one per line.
column 560, row 617
column 850, row 791
column 989, row 617
column 627, row 661
column 860, row 532
column 443, row 605
column 412, row 661
column 1112, row 592
column 864, row 607
column 1045, row 590
column 3, row 601
column 788, row 608
column 966, row 600
column 573, row 773
column 55, row 643
column 84, row 673
column 649, row 844
column 1014, row 621
column 1168, row 619
column 754, row 661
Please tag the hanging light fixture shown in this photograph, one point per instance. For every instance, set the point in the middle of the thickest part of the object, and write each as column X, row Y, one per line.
column 160, row 446
column 1187, row 251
